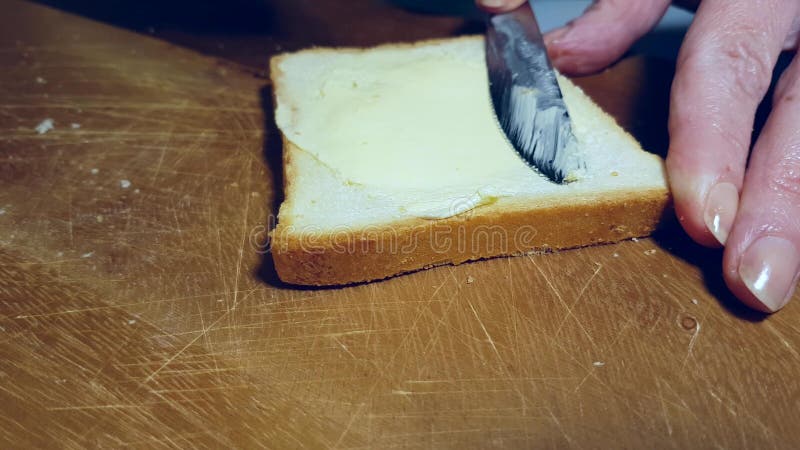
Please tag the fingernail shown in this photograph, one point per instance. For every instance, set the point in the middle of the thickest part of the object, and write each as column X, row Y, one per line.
column 769, row 269
column 721, row 205
column 491, row 3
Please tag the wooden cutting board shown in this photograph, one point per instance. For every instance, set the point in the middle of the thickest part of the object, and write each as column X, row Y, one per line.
column 137, row 308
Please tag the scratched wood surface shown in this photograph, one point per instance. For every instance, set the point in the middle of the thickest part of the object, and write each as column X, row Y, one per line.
column 136, row 308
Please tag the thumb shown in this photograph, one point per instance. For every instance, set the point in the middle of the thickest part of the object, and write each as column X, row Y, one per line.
column 602, row 34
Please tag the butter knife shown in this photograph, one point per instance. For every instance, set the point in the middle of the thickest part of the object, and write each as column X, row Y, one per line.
column 526, row 97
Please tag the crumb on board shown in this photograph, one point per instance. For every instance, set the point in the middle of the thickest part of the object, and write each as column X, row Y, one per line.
column 652, row 251
column 694, row 301
column 74, row 125
column 45, row 126
column 2, row 211
column 470, row 280
column 87, row 255
column 136, row 191
column 598, row 364
column 94, row 171
column 131, row 321
column 41, row 80
column 615, row 255
column 124, row 184
column 635, row 239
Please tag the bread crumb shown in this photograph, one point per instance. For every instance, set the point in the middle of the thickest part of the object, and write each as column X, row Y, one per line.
column 615, row 174
column 124, row 184
column 99, row 219
column 598, row 364
column 470, row 280
column 41, row 80
column 615, row 255
column 45, row 126
column 94, row 171
column 87, row 255
column 694, row 301
column 652, row 251
column 74, row 126
column 131, row 321
column 635, row 239
column 2, row 211
column 136, row 191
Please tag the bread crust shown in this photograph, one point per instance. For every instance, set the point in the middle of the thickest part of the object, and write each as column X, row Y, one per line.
column 364, row 254
column 371, row 253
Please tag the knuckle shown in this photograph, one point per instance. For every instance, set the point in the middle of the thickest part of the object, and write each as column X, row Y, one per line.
column 737, row 63
column 749, row 65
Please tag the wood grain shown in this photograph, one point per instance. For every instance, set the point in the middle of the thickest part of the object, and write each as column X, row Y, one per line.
column 147, row 316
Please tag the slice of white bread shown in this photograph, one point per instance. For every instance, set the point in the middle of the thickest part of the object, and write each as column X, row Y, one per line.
column 394, row 162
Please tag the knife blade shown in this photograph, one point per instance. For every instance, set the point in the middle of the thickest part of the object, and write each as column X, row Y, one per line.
column 526, row 97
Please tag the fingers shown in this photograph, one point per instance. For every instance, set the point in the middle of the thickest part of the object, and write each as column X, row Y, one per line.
column 602, row 34
column 762, row 258
column 724, row 70
column 497, row 6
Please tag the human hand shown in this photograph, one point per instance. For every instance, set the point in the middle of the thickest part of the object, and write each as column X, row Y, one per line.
column 724, row 70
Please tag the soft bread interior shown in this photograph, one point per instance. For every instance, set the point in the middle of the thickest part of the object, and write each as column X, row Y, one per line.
column 402, row 132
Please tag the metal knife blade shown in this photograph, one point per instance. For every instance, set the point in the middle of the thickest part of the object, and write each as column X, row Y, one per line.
column 526, row 97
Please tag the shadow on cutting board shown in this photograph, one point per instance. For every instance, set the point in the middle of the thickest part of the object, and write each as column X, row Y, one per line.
column 247, row 32
column 197, row 16
column 673, row 239
column 273, row 158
